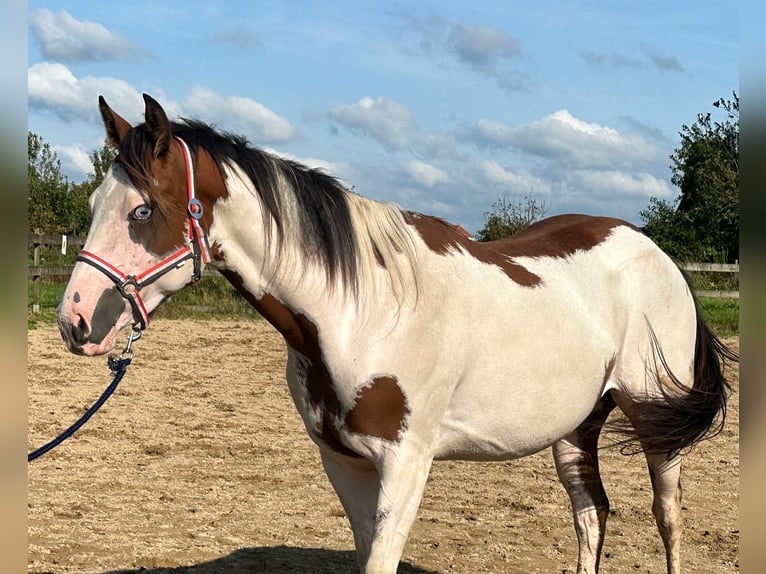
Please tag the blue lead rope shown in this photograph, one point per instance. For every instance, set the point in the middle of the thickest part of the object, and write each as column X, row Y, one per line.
column 118, row 365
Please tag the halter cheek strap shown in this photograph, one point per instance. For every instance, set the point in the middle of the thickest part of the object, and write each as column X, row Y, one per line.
column 197, row 237
column 196, row 249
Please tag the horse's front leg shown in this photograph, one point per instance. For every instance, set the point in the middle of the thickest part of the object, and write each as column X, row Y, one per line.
column 357, row 483
column 381, row 501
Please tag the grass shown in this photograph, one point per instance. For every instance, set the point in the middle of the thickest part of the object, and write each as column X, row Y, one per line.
column 721, row 315
column 211, row 298
column 703, row 280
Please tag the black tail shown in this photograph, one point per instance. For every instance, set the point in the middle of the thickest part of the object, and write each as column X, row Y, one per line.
column 684, row 416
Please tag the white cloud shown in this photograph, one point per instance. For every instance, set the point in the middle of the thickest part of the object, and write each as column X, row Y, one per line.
column 54, row 88
column 579, row 144
column 618, row 184
column 572, row 142
column 426, row 174
column 666, row 63
column 74, row 159
column 334, row 168
column 438, row 145
column 239, row 114
column 386, row 121
column 491, row 133
column 580, row 190
column 515, row 182
column 64, row 38
column 415, row 200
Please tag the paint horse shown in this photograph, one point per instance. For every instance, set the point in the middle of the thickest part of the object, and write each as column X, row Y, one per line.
column 406, row 341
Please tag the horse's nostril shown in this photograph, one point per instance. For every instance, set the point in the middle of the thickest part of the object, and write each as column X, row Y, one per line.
column 80, row 331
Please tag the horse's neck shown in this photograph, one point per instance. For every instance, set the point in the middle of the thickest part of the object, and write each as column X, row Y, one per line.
column 255, row 264
column 383, row 282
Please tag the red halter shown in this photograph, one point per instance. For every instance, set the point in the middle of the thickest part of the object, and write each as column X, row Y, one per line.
column 196, row 249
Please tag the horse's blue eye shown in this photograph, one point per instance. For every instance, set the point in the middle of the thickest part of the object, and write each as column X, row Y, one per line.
column 142, row 212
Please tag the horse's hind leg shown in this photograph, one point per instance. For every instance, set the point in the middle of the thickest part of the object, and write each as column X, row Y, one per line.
column 666, row 484
column 665, row 474
column 576, row 457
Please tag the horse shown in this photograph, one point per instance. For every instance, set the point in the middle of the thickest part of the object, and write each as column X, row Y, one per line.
column 407, row 341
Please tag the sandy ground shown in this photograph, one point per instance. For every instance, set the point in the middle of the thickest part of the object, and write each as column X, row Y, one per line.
column 199, row 464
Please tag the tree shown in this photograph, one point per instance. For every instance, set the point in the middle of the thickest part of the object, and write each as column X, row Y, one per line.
column 509, row 216
column 102, row 160
column 46, row 186
column 56, row 205
column 661, row 224
column 703, row 222
column 79, row 210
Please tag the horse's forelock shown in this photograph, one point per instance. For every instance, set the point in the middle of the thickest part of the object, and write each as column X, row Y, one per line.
column 134, row 155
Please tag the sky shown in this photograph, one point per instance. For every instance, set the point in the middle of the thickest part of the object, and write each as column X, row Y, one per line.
column 441, row 107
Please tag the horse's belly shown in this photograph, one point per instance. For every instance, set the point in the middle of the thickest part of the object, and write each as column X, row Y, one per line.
column 516, row 417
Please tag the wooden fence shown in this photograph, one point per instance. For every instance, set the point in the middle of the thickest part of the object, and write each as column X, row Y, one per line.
column 36, row 272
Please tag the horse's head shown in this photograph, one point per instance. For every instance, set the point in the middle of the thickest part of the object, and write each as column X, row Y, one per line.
column 147, row 237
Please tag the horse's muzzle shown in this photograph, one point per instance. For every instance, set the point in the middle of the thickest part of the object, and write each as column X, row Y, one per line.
column 77, row 333
column 74, row 330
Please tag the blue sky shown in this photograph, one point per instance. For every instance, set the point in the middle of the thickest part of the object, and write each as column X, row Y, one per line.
column 441, row 107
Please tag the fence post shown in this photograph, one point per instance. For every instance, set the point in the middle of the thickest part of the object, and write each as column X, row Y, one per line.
column 36, row 279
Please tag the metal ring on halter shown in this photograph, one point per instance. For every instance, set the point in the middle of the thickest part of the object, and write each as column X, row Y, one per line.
column 128, row 286
column 195, row 208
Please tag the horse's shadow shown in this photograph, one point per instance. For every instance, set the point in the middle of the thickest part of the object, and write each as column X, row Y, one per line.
column 275, row 560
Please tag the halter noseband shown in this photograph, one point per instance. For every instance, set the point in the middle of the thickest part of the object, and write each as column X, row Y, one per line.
column 196, row 249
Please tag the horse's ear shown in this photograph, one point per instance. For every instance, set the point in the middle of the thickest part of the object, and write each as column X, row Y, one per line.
column 159, row 126
column 116, row 126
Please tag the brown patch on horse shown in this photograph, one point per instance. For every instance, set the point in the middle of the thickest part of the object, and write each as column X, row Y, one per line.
column 380, row 410
column 166, row 229
column 560, row 236
column 216, row 251
column 301, row 334
column 210, row 185
column 443, row 238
